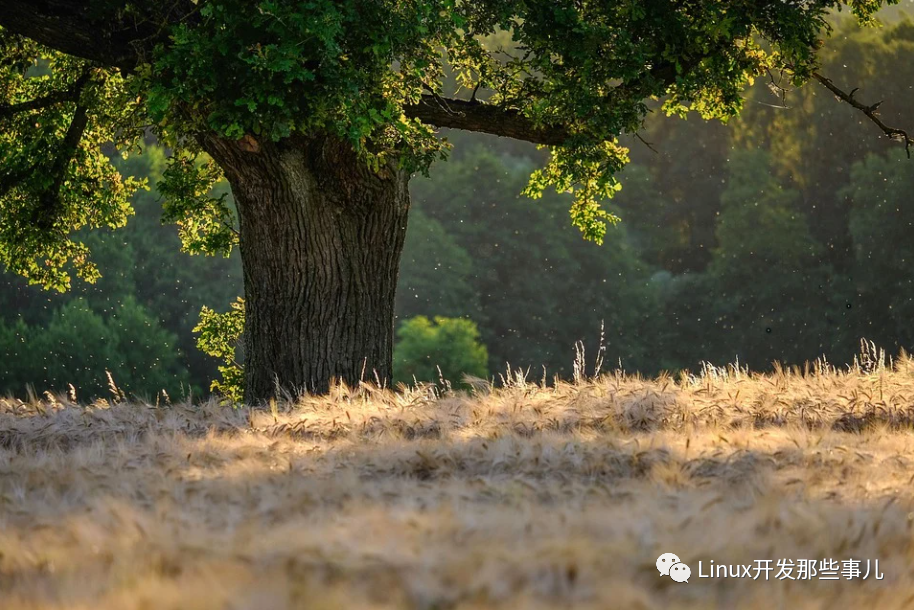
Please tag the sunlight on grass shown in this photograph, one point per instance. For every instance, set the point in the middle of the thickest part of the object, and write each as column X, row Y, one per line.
column 522, row 496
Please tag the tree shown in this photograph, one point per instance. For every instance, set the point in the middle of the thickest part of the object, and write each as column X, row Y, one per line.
column 765, row 295
column 78, row 346
column 540, row 288
column 446, row 348
column 434, row 273
column 815, row 141
column 881, row 220
column 318, row 113
column 679, row 199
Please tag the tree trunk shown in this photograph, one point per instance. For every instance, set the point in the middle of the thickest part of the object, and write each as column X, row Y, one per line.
column 321, row 237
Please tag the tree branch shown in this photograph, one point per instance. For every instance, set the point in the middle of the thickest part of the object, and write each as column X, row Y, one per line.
column 510, row 123
column 76, row 27
column 869, row 110
column 486, row 118
column 48, row 208
column 48, row 198
column 70, row 94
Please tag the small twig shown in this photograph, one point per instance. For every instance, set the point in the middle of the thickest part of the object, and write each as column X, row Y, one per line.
column 473, row 97
column 439, row 99
column 869, row 110
column 776, row 86
column 646, row 143
column 231, row 228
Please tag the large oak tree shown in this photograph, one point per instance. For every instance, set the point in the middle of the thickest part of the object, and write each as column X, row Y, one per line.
column 318, row 112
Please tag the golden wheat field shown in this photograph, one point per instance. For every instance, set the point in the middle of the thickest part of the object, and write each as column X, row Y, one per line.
column 523, row 496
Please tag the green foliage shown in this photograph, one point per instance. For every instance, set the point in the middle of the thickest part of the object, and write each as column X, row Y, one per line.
column 538, row 286
column 447, row 348
column 304, row 68
column 205, row 222
column 78, row 346
column 326, row 67
column 55, row 178
column 268, row 70
column 435, row 273
column 588, row 172
column 219, row 336
column 881, row 221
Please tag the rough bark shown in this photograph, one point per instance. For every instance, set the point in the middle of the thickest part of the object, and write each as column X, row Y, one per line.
column 321, row 238
column 84, row 29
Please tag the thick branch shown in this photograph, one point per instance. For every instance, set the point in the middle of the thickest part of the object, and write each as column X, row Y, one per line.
column 510, row 123
column 869, row 110
column 76, row 27
column 48, row 208
column 68, row 147
column 70, row 94
column 486, row 118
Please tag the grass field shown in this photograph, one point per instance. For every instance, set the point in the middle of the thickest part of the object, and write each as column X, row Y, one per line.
column 523, row 496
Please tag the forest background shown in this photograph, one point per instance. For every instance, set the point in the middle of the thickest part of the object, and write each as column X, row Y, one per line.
column 782, row 236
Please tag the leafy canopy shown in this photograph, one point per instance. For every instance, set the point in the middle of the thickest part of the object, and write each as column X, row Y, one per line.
column 54, row 177
column 372, row 72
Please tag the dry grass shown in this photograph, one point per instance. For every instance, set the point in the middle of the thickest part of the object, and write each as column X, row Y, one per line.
column 518, row 497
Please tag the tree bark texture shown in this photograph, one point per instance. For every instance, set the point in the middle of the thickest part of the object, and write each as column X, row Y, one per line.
column 321, row 238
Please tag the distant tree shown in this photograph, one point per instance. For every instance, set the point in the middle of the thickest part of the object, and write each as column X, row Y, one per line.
column 765, row 294
column 78, row 346
column 761, row 231
column 318, row 113
column 652, row 219
column 814, row 141
column 434, row 273
column 447, row 348
column 16, row 371
column 540, row 287
column 147, row 359
column 679, row 177
column 881, row 225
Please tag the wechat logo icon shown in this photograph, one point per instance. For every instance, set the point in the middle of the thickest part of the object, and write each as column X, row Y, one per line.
column 669, row 565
